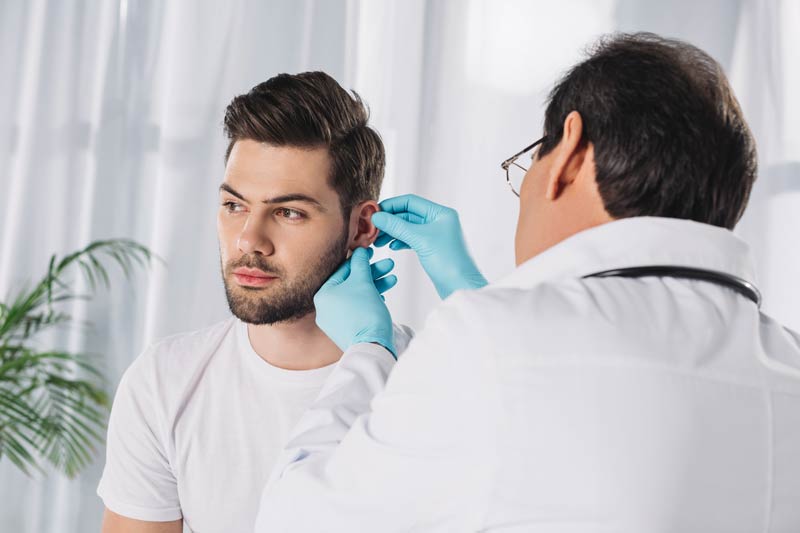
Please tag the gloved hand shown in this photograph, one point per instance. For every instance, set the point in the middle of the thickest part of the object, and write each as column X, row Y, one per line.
column 350, row 307
column 434, row 233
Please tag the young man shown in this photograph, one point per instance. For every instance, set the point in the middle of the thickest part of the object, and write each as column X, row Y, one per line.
column 622, row 379
column 199, row 418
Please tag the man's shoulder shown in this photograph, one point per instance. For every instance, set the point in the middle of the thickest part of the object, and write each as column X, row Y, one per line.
column 190, row 341
column 179, row 353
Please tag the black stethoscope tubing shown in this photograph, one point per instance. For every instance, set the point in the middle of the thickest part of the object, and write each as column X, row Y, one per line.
column 743, row 287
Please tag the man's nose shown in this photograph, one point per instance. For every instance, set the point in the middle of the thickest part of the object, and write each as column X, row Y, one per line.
column 254, row 238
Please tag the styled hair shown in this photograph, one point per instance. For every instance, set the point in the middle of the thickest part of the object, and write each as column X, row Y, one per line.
column 669, row 137
column 311, row 110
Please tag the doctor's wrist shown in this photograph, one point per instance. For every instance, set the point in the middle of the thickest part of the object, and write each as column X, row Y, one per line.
column 386, row 344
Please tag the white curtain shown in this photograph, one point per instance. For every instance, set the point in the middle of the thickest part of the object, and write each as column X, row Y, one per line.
column 110, row 126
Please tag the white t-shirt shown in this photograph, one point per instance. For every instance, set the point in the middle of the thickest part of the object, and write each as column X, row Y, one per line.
column 197, row 424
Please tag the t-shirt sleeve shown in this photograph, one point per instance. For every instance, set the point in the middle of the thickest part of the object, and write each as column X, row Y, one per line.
column 138, row 481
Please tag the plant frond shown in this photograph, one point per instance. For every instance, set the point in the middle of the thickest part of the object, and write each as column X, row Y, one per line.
column 17, row 452
column 53, row 406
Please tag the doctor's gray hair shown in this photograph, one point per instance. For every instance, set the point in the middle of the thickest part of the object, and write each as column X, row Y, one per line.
column 669, row 137
column 310, row 110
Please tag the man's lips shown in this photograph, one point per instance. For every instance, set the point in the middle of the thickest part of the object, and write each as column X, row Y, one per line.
column 252, row 277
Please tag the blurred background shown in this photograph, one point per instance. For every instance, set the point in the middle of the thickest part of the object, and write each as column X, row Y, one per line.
column 110, row 126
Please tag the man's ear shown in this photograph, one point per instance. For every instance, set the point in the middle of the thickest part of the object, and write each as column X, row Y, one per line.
column 361, row 230
column 568, row 157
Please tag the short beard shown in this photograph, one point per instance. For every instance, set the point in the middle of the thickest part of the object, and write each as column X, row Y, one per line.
column 296, row 298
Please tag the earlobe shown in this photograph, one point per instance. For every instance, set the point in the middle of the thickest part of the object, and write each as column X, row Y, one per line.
column 362, row 231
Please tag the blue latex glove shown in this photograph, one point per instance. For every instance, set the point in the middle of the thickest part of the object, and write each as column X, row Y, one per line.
column 350, row 307
column 434, row 233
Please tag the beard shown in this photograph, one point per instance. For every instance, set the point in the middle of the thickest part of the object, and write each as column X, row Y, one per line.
column 290, row 298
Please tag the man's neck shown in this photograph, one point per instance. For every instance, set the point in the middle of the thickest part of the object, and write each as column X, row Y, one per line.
column 297, row 345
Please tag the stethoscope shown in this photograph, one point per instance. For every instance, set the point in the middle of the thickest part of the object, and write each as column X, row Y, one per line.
column 745, row 288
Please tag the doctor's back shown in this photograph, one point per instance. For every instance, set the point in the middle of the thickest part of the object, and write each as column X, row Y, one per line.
column 634, row 404
column 636, row 384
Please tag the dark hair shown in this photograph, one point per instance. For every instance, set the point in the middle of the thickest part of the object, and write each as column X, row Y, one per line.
column 669, row 137
column 311, row 110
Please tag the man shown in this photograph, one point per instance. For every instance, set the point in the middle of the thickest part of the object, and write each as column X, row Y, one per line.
column 621, row 379
column 199, row 418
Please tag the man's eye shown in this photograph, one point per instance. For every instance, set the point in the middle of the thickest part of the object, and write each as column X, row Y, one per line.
column 290, row 214
column 230, row 206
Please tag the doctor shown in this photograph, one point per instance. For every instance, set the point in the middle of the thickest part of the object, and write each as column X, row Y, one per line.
column 621, row 379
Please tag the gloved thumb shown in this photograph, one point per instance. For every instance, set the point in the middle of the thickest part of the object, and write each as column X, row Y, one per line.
column 395, row 227
column 359, row 264
column 338, row 277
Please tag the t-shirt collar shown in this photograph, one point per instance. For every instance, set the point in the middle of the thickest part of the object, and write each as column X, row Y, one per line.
column 310, row 378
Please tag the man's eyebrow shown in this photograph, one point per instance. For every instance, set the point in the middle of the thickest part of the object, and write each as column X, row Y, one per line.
column 227, row 188
column 292, row 197
column 295, row 197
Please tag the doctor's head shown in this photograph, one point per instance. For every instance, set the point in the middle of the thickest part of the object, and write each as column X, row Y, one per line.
column 645, row 126
column 303, row 173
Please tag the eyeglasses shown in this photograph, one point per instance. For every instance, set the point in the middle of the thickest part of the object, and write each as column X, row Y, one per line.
column 515, row 172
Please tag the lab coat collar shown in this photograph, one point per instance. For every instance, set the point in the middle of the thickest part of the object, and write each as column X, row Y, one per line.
column 634, row 242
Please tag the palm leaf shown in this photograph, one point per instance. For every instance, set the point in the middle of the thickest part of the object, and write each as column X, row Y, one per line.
column 53, row 405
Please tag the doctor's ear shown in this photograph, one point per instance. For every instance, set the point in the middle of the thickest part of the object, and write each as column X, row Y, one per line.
column 362, row 232
column 567, row 157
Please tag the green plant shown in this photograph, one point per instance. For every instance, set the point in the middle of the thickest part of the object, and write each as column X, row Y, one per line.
column 52, row 403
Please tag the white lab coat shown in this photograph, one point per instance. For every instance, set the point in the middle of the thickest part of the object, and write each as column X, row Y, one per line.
column 551, row 403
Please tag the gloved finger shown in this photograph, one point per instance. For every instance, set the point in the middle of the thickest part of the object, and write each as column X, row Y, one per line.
column 410, row 217
column 381, row 268
column 404, row 215
column 383, row 239
column 384, row 284
column 412, row 204
column 397, row 227
column 338, row 277
column 399, row 245
column 359, row 264
column 370, row 253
